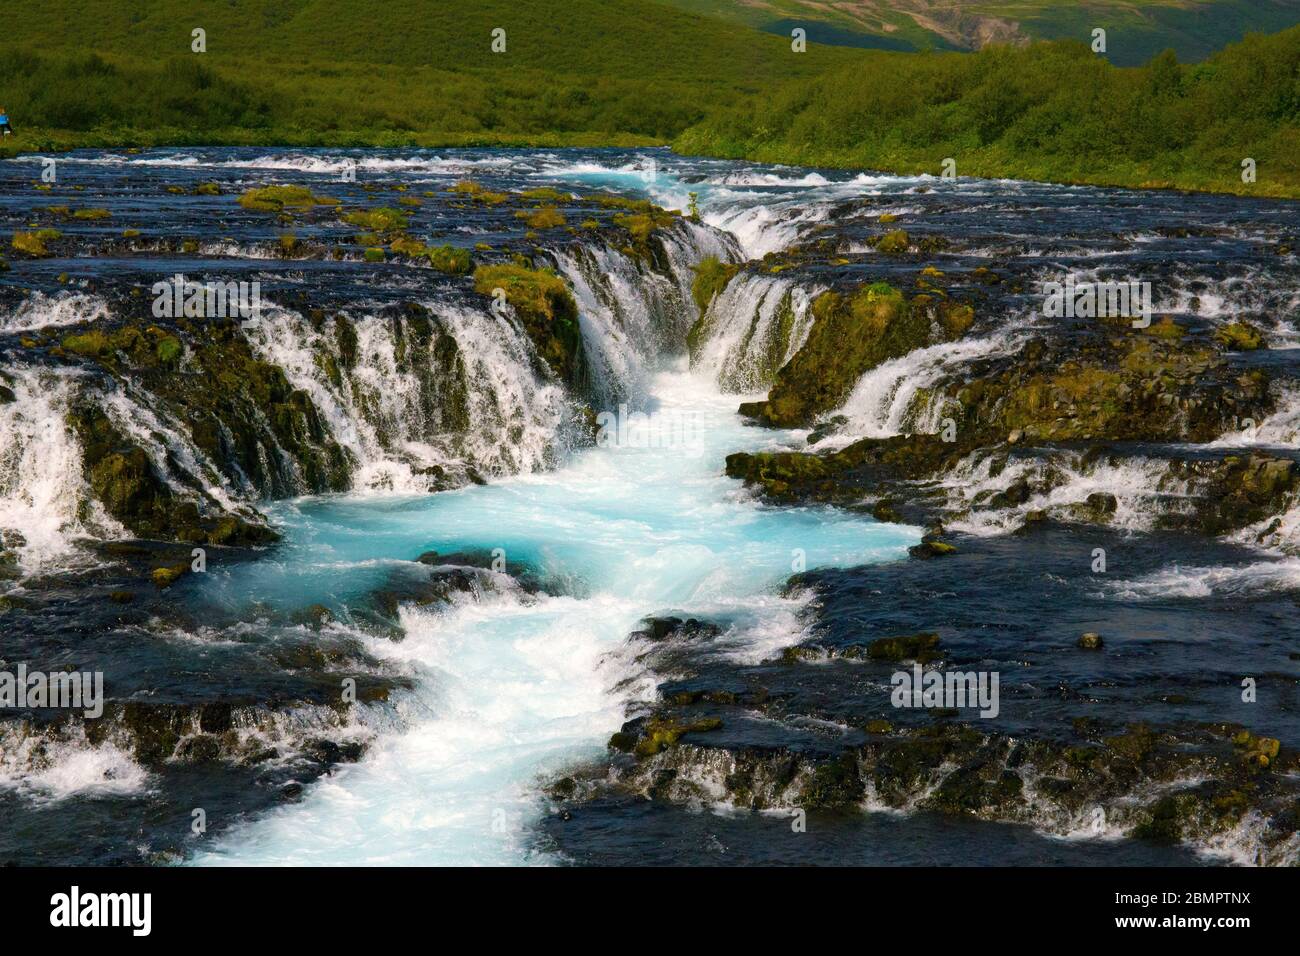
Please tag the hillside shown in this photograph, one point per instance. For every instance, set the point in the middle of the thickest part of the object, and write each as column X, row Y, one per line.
column 330, row 70
column 590, row 72
column 1052, row 112
column 1136, row 29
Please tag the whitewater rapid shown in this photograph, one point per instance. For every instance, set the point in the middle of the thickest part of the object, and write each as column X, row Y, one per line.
column 511, row 687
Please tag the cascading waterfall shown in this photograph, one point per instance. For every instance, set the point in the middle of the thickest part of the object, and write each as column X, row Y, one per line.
column 753, row 327
column 510, row 686
column 468, row 404
column 632, row 313
column 897, row 397
column 42, row 491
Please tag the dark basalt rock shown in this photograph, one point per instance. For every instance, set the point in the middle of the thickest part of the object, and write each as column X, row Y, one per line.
column 955, row 769
column 666, row 628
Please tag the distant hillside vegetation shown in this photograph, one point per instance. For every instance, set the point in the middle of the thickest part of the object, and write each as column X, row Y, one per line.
column 1136, row 30
column 632, row 72
column 1052, row 111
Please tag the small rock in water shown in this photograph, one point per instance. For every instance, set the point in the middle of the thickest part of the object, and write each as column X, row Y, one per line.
column 1091, row 641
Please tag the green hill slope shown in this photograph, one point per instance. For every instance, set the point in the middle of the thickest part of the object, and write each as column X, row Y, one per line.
column 400, row 71
column 597, row 72
column 1136, row 29
column 1053, row 111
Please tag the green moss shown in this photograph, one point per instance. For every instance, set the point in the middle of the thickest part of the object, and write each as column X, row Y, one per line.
column 546, row 194
column 664, row 734
column 851, row 334
column 207, row 189
column 280, row 198
column 1166, row 328
column 93, row 342
column 169, row 350
column 166, row 577
column 894, row 243
column 711, row 277
column 473, row 190
column 545, row 217
column 384, row 219
column 642, row 225
column 30, row 243
column 931, row 549
column 91, row 214
column 452, row 260
column 1239, row 337
column 546, row 308
column 374, row 254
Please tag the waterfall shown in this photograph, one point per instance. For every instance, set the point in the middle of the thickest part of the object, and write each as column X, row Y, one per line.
column 430, row 395
column 633, row 313
column 420, row 401
column 753, row 326
column 43, row 502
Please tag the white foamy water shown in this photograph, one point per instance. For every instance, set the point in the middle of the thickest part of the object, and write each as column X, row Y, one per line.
column 1141, row 489
column 48, row 770
column 511, row 686
column 506, row 417
column 755, row 325
column 39, row 311
column 1211, row 581
column 41, row 486
column 893, row 398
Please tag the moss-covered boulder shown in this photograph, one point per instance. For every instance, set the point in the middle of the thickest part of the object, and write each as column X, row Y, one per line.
column 282, row 198
column 545, row 307
column 1239, row 337
column 851, row 334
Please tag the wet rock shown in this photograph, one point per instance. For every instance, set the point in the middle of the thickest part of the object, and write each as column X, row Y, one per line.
column 850, row 335
column 931, row 549
column 1090, row 641
column 665, row 628
column 922, row 648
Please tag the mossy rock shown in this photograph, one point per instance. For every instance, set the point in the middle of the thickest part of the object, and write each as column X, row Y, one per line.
column 836, row 784
column 922, row 648
column 660, row 735
column 544, row 217
column 894, row 243
column 30, row 244
column 170, row 350
column 478, row 193
column 932, row 549
column 711, row 277
column 166, row 577
column 280, row 198
column 383, row 220
column 547, row 310
column 850, row 335
column 1239, row 337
